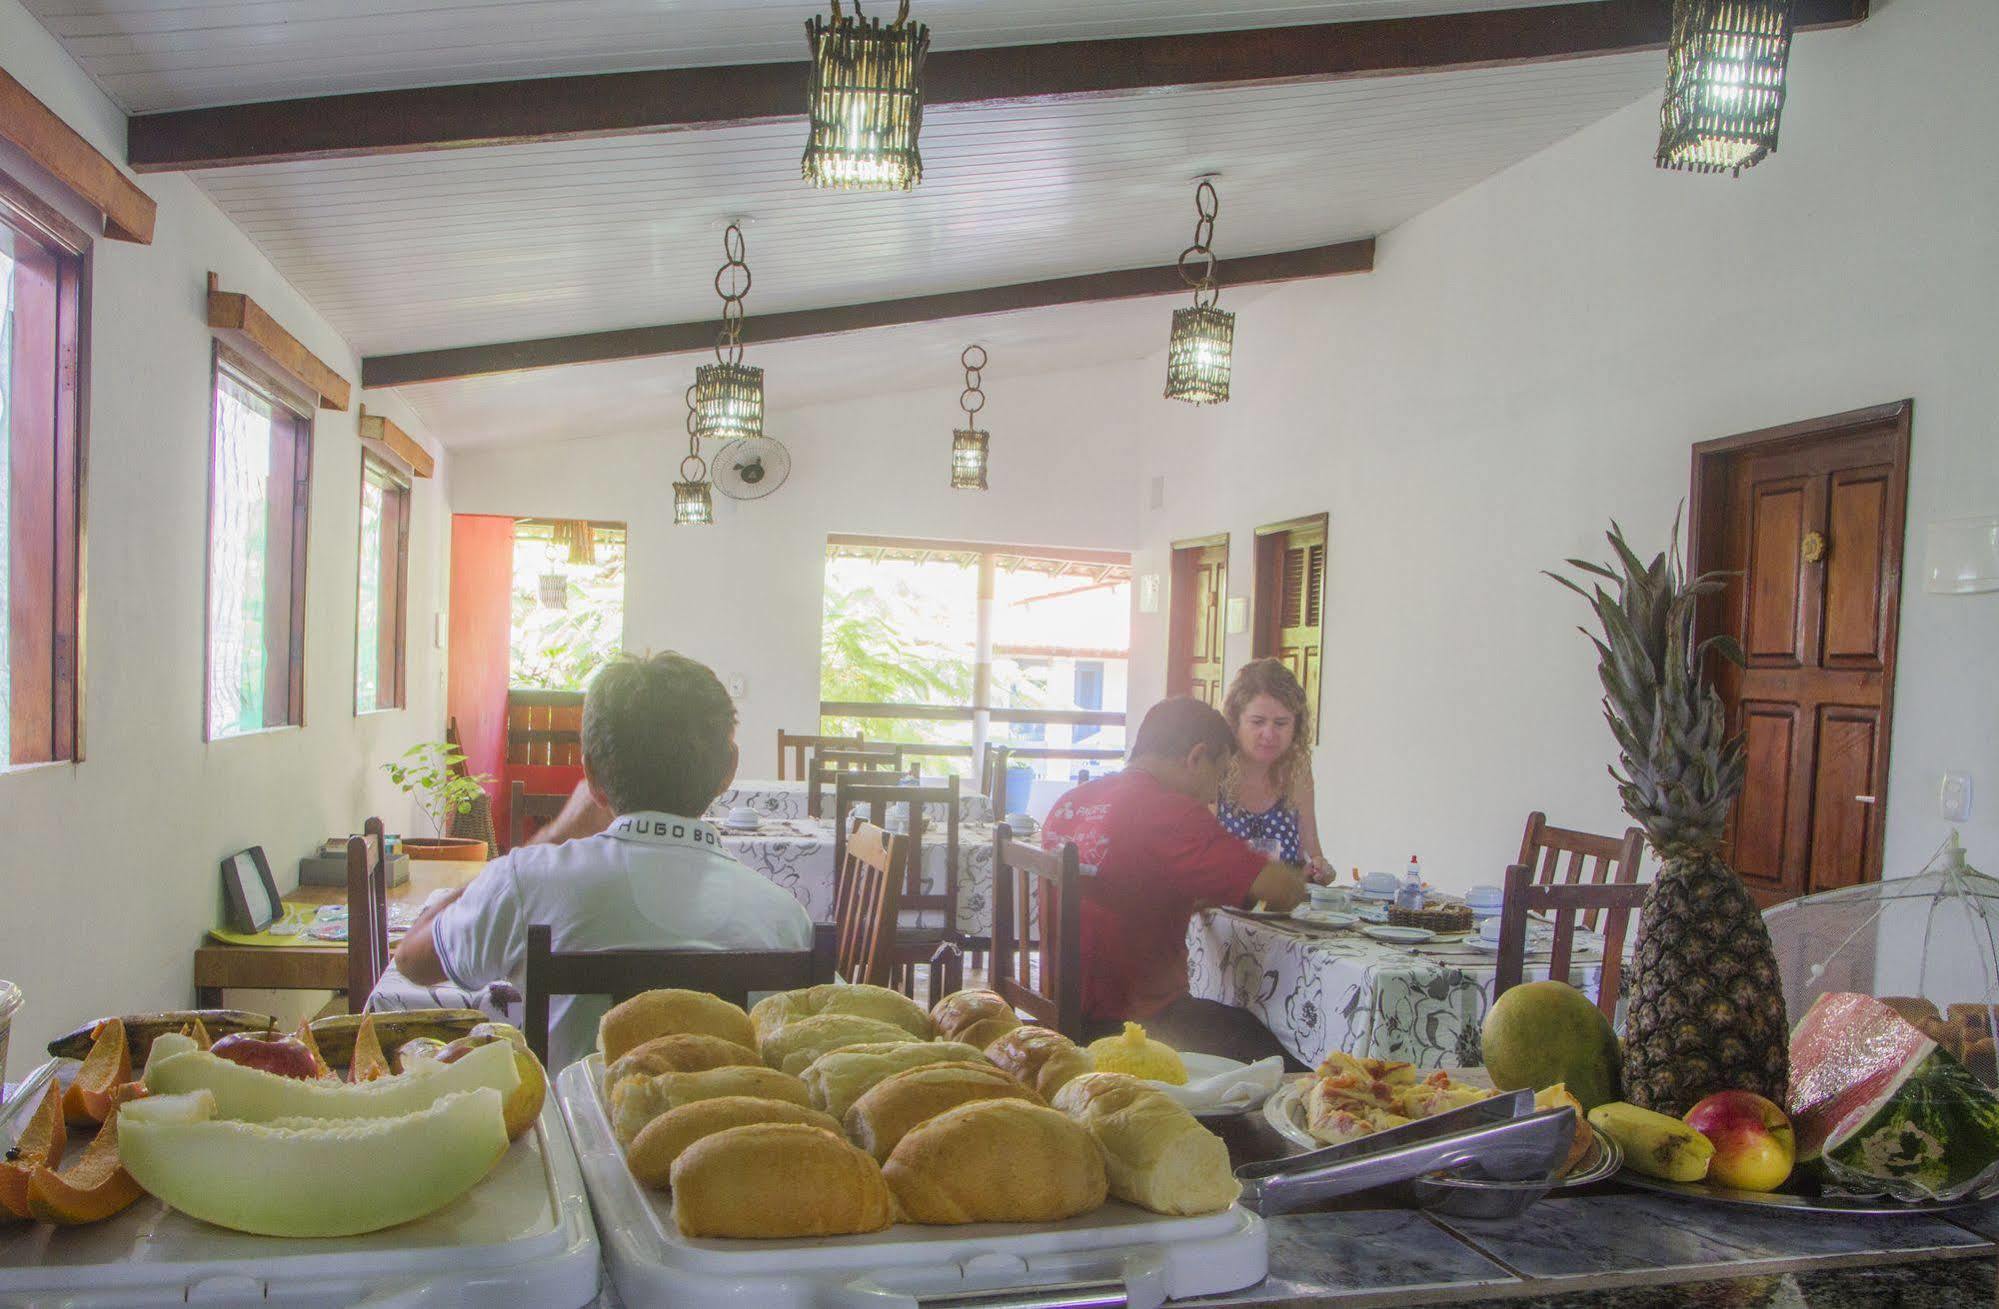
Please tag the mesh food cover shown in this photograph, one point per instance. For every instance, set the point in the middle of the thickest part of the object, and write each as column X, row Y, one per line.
column 1893, row 991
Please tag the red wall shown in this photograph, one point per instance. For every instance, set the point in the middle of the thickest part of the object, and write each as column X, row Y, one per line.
column 482, row 578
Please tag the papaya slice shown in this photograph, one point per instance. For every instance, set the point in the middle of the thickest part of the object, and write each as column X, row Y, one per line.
column 304, row 1035
column 199, row 1031
column 91, row 1190
column 41, row 1142
column 108, row 1064
column 369, row 1061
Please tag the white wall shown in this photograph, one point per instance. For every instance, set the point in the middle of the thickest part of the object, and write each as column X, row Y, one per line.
column 108, row 868
column 744, row 595
column 1535, row 357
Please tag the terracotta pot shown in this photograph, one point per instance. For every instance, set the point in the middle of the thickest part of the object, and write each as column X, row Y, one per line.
column 445, row 847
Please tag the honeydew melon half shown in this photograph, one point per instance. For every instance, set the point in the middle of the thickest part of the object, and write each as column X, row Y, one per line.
column 255, row 1096
column 310, row 1177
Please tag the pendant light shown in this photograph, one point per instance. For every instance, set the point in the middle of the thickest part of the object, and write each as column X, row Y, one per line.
column 968, row 443
column 1724, row 84
column 864, row 102
column 693, row 495
column 729, row 394
column 1199, row 355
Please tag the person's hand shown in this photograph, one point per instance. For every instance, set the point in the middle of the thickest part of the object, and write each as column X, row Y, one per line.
column 1280, row 886
column 1317, row 871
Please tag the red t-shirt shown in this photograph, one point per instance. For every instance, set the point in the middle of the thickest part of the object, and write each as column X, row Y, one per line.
column 1159, row 856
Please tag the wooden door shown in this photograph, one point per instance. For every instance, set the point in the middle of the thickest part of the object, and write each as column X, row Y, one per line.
column 1194, row 647
column 1808, row 520
column 1290, row 601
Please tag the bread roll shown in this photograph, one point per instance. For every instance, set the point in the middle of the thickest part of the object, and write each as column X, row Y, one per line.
column 670, row 1013
column 685, row 1053
column 996, row 1161
column 660, row 1141
column 974, row 1017
column 839, row 1077
column 1040, row 1057
column 898, row 1103
column 1156, row 1154
column 863, row 1001
column 795, row 1045
column 636, row 1101
column 777, row 1181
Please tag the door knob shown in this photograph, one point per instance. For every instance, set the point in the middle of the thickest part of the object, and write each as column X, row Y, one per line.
column 1813, row 548
column 1864, row 799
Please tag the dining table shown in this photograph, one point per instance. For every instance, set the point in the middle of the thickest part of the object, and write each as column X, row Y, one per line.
column 1321, row 989
column 790, row 800
column 797, row 854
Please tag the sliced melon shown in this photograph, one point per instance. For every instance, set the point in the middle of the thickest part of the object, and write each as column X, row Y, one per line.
column 255, row 1096
column 311, row 1177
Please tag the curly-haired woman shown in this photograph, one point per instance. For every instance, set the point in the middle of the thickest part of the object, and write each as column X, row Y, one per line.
column 1266, row 794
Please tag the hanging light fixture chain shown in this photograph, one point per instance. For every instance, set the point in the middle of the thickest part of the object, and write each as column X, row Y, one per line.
column 1207, row 207
column 729, row 340
column 693, row 446
column 973, row 398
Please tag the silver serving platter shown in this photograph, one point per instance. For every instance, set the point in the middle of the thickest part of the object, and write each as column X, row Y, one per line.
column 1825, row 1204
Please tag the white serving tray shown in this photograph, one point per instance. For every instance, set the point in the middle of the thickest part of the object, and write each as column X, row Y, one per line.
column 1150, row 1258
column 522, row 1237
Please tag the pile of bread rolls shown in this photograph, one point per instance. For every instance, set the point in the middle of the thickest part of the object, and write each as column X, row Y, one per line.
column 838, row 1110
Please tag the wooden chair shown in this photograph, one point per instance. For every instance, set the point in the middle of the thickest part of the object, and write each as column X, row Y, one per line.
column 992, row 775
column 522, row 806
column 941, row 947
column 867, row 901
column 1038, row 932
column 622, row 974
column 792, row 749
column 1617, row 902
column 883, row 762
column 1591, row 858
column 367, row 914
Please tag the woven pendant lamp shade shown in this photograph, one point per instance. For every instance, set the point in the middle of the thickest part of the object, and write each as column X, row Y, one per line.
column 693, row 503
column 1724, row 84
column 865, row 101
column 728, row 401
column 968, row 459
column 1200, row 355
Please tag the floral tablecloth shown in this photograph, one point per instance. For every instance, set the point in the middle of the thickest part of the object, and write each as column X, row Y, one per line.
column 797, row 854
column 1320, row 991
column 787, row 800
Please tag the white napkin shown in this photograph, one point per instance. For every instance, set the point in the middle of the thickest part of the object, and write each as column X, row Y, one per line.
column 1236, row 1089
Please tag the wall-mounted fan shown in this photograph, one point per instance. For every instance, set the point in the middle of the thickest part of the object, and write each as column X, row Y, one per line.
column 752, row 467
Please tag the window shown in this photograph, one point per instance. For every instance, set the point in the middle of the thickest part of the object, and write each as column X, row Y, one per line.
column 259, row 492
column 1290, row 601
column 382, row 618
column 1089, row 692
column 568, row 602
column 41, row 326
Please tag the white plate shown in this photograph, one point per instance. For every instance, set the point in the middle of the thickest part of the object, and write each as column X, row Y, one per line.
column 1285, row 1112
column 1324, row 917
column 1399, row 935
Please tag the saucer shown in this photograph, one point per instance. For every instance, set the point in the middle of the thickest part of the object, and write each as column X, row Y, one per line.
column 1398, row 935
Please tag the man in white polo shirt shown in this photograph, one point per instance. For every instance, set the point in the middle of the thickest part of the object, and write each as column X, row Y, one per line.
column 659, row 744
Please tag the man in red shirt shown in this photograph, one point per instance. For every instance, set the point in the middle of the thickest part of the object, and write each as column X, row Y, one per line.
column 1160, row 854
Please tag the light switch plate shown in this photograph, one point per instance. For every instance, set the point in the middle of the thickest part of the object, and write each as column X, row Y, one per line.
column 1954, row 797
column 1238, row 615
column 739, row 686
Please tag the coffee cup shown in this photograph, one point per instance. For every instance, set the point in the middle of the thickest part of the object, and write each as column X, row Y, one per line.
column 1485, row 897
column 1488, row 930
column 743, row 816
column 1327, row 897
column 1379, row 883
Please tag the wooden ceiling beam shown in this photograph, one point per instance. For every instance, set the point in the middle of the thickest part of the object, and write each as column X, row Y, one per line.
column 683, row 338
column 614, row 104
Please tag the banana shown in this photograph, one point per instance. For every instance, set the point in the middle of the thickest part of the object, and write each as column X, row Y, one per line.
column 1653, row 1143
column 335, row 1035
column 140, row 1029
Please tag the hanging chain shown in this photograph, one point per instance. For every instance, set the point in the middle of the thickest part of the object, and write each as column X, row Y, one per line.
column 729, row 341
column 972, row 398
column 700, row 472
column 1207, row 205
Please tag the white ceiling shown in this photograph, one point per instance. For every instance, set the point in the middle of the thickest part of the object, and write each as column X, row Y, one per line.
column 178, row 54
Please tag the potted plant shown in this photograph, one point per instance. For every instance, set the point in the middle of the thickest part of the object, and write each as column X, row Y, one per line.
column 432, row 772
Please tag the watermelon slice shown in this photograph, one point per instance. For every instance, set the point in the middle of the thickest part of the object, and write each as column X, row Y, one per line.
column 1882, row 1107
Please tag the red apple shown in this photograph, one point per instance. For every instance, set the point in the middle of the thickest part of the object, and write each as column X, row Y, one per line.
column 270, row 1052
column 1754, row 1148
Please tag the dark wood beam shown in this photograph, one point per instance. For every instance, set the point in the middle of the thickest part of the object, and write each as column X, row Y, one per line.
column 682, row 338
column 612, row 104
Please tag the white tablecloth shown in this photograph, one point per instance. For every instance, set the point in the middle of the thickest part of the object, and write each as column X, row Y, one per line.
column 774, row 799
column 1323, row 991
column 797, row 854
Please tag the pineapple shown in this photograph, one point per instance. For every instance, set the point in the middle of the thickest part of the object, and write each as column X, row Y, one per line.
column 1704, row 1006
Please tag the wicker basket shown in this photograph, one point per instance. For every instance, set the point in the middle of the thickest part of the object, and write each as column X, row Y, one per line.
column 1436, row 918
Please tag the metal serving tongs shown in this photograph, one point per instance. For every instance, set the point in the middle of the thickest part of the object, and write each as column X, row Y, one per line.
column 1502, row 1139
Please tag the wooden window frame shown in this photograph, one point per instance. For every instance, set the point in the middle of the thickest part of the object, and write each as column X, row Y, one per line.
column 392, row 622
column 1267, row 603
column 286, row 676
column 45, row 489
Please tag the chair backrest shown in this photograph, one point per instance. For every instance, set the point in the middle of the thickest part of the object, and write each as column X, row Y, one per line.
column 867, row 898
column 883, row 760
column 863, row 789
column 622, row 974
column 1617, row 902
column 522, row 806
column 791, row 749
column 1038, row 931
column 367, row 914
column 1591, row 858
column 992, row 774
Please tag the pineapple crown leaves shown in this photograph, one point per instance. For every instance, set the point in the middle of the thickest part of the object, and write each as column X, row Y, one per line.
column 1680, row 771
